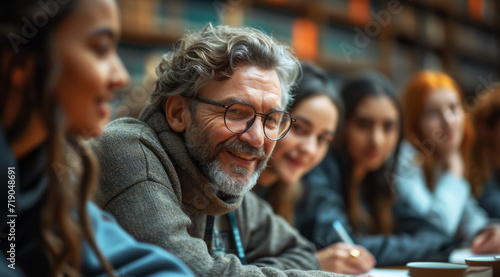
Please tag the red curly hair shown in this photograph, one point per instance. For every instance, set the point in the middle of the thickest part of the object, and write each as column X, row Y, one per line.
column 420, row 86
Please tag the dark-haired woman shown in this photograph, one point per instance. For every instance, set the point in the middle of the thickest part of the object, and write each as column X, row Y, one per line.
column 317, row 109
column 354, row 183
column 59, row 69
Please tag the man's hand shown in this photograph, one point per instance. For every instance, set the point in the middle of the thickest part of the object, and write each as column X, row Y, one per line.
column 345, row 258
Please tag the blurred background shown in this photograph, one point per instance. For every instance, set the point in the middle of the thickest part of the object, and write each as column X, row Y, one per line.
column 395, row 37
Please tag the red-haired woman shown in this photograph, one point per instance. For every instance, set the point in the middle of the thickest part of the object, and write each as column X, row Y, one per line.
column 432, row 178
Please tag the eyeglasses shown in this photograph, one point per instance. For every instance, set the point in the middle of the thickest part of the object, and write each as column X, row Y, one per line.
column 239, row 117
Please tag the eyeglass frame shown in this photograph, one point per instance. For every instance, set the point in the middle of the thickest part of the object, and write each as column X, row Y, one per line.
column 215, row 103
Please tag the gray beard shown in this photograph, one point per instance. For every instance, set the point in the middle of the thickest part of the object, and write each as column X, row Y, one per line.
column 206, row 159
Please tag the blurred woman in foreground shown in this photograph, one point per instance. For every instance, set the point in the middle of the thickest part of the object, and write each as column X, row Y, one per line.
column 59, row 69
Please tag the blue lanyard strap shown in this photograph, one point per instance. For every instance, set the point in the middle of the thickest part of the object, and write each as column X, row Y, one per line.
column 209, row 230
column 237, row 237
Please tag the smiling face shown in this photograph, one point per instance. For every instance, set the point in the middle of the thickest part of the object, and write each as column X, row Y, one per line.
column 90, row 68
column 372, row 132
column 307, row 142
column 442, row 121
column 233, row 162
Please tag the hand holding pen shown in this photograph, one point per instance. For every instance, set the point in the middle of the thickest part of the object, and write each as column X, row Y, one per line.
column 345, row 257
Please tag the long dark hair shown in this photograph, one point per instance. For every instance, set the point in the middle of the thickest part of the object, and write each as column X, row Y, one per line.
column 314, row 82
column 26, row 37
column 377, row 187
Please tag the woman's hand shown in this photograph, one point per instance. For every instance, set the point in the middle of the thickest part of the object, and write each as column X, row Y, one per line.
column 345, row 258
column 488, row 241
column 455, row 163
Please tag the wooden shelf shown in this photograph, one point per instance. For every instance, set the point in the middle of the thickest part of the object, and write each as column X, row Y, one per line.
column 151, row 38
column 425, row 28
column 316, row 11
column 477, row 57
column 338, row 64
column 290, row 6
column 452, row 12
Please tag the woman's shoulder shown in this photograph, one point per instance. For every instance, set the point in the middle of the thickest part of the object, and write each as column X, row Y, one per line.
column 97, row 216
column 124, row 252
column 407, row 153
column 407, row 165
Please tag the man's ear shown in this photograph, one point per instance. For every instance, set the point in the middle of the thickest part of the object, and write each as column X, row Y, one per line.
column 177, row 113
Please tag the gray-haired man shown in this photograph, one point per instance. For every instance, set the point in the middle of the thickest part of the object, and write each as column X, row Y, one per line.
column 178, row 177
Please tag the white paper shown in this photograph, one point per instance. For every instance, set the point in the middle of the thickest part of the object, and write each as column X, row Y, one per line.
column 458, row 256
column 376, row 272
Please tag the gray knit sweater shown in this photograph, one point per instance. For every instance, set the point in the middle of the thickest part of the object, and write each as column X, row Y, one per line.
column 150, row 184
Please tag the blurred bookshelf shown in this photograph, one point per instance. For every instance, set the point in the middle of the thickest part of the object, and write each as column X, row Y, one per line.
column 398, row 38
column 460, row 37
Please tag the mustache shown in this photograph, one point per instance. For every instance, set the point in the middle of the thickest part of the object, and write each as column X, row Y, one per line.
column 236, row 145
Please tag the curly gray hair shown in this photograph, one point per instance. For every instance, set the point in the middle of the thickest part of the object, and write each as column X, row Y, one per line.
column 215, row 53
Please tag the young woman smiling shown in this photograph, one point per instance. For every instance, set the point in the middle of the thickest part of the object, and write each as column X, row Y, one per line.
column 317, row 110
column 56, row 85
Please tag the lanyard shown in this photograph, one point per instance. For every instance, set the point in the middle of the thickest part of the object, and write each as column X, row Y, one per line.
column 236, row 235
column 209, row 231
column 237, row 238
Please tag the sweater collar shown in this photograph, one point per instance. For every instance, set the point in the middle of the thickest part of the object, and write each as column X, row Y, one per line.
column 198, row 197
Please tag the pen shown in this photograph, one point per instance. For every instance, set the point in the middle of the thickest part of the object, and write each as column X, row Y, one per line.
column 339, row 228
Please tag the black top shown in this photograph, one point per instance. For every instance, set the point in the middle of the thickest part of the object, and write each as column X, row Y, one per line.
column 19, row 226
column 490, row 199
column 323, row 202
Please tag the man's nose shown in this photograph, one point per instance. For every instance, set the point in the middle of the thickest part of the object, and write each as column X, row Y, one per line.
column 254, row 136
